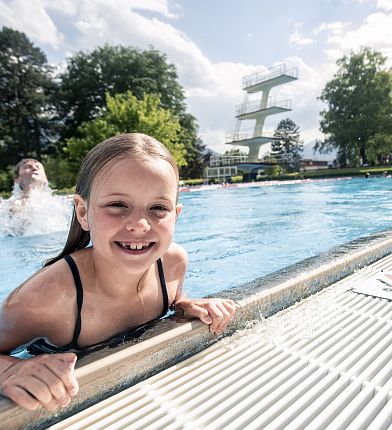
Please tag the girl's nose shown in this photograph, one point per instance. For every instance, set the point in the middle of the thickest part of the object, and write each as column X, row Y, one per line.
column 138, row 224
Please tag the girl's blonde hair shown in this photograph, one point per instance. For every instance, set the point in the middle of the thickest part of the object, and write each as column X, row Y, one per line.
column 109, row 151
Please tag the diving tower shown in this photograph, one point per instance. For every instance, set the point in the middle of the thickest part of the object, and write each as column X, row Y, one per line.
column 257, row 108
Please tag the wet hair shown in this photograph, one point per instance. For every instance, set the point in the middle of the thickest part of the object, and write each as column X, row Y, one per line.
column 106, row 153
column 21, row 163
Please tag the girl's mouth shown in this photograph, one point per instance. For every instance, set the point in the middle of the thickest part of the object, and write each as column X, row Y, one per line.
column 135, row 247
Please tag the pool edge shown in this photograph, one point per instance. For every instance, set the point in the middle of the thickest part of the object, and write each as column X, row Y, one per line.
column 175, row 341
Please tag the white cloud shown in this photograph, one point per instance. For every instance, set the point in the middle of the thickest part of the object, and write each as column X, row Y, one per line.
column 114, row 21
column 385, row 5
column 159, row 6
column 215, row 139
column 336, row 28
column 66, row 7
column 375, row 31
column 298, row 39
column 31, row 18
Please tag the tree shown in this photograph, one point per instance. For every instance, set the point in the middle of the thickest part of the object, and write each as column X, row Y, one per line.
column 26, row 87
column 359, row 106
column 116, row 70
column 194, row 148
column 125, row 113
column 288, row 146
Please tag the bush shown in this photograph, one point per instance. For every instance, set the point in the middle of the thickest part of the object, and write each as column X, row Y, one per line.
column 59, row 172
column 273, row 170
column 6, row 180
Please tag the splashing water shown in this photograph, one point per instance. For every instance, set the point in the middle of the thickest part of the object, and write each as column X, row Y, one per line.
column 40, row 213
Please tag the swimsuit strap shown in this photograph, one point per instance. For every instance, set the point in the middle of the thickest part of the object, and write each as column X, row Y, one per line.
column 164, row 288
column 79, row 297
column 79, row 300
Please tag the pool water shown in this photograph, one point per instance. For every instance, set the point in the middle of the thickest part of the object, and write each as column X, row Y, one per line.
column 235, row 235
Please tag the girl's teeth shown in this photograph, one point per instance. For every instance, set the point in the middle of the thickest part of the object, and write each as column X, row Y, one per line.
column 134, row 246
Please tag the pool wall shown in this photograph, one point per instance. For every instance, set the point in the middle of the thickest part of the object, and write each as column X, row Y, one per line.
column 107, row 372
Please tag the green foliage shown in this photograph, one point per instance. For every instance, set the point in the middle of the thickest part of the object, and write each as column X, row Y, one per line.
column 59, row 172
column 273, row 170
column 115, row 70
column 192, row 182
column 26, row 90
column 194, row 148
column 289, row 146
column 359, row 107
column 125, row 114
column 6, row 179
column 379, row 146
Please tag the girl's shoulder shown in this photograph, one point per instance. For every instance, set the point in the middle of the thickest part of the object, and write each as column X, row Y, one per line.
column 46, row 284
column 35, row 308
column 176, row 254
column 175, row 260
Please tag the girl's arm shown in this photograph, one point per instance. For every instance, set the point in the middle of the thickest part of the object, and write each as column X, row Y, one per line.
column 44, row 381
column 217, row 313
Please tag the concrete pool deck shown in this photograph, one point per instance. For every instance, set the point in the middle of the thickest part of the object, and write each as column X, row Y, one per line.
column 170, row 343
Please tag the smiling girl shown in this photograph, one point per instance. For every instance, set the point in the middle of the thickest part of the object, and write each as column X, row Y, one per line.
column 89, row 297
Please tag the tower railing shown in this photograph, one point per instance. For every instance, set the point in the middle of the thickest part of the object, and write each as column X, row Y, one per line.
column 255, row 106
column 273, row 72
column 247, row 133
column 227, row 159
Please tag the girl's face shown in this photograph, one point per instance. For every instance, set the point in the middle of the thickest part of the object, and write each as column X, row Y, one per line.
column 132, row 211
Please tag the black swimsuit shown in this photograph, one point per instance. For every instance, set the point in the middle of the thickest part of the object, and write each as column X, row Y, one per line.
column 42, row 346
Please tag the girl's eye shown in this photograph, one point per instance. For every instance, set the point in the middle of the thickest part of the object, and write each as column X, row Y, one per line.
column 117, row 205
column 159, row 208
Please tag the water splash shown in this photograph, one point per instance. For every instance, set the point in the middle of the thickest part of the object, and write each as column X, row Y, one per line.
column 40, row 213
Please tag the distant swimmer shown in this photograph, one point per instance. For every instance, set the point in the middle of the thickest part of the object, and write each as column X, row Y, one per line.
column 32, row 208
column 29, row 174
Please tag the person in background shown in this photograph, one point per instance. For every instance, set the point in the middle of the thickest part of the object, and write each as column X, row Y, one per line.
column 29, row 174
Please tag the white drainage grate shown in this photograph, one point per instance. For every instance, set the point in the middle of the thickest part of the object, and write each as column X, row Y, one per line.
column 325, row 363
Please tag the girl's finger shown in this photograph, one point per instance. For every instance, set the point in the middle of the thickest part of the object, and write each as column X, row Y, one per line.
column 216, row 315
column 230, row 307
column 63, row 367
column 36, row 388
column 55, row 385
column 21, row 397
column 224, row 320
column 199, row 312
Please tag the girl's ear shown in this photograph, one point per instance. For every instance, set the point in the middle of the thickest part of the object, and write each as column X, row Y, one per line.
column 81, row 211
column 178, row 210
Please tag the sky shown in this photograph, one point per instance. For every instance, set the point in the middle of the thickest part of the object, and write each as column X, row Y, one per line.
column 215, row 43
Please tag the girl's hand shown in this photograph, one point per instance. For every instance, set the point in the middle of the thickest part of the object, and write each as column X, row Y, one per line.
column 215, row 312
column 47, row 380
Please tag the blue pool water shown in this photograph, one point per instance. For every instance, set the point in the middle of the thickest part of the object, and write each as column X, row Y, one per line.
column 235, row 235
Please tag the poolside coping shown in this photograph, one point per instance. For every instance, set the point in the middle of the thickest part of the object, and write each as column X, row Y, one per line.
column 110, row 371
